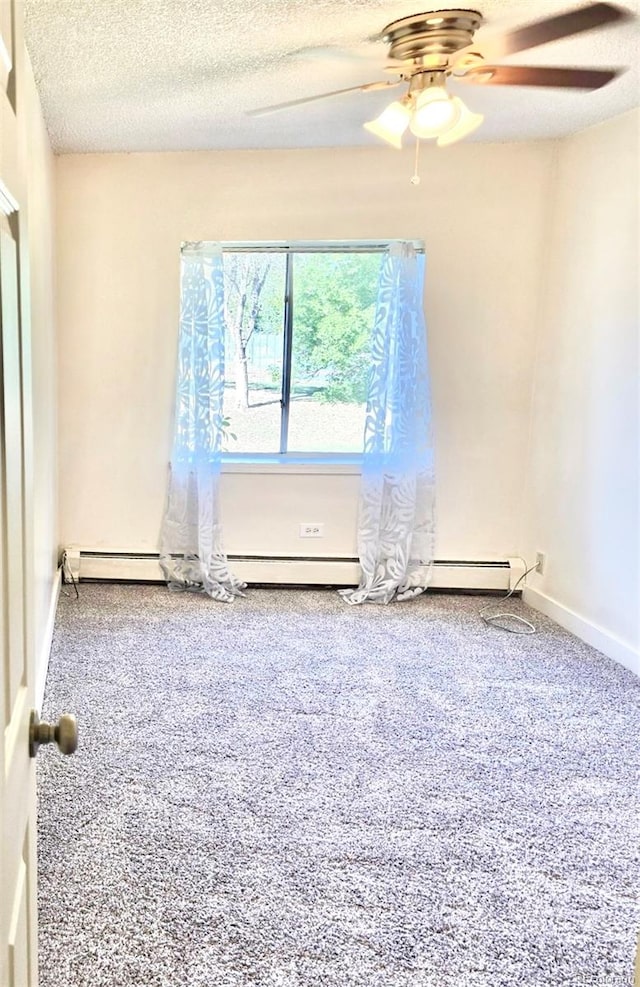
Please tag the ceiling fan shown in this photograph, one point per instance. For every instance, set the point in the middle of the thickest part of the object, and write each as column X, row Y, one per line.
column 426, row 49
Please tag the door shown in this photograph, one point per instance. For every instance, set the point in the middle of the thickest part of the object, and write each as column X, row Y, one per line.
column 18, row 953
column 18, row 965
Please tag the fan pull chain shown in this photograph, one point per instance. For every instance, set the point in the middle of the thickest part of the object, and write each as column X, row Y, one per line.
column 415, row 178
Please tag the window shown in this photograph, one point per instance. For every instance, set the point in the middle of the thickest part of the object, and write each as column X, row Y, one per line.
column 298, row 327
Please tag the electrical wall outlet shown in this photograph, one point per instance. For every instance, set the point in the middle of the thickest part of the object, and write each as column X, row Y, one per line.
column 311, row 529
column 540, row 562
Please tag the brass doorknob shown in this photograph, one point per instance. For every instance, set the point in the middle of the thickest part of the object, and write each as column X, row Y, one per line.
column 64, row 733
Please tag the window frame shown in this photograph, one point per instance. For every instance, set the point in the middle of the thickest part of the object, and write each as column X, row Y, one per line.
column 312, row 462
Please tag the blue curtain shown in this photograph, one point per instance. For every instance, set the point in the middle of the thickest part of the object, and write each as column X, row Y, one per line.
column 396, row 528
column 191, row 552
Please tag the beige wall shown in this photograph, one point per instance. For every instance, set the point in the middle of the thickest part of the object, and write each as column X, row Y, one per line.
column 41, row 229
column 481, row 210
column 583, row 498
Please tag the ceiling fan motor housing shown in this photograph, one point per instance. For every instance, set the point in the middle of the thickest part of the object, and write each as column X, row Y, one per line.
column 434, row 36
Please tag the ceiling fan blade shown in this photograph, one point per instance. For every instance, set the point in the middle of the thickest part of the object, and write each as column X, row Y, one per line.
column 530, row 75
column 555, row 28
column 363, row 52
column 365, row 88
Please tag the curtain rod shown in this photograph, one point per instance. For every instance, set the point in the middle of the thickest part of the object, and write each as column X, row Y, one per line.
column 307, row 246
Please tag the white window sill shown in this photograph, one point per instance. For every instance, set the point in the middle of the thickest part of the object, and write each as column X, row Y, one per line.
column 350, row 465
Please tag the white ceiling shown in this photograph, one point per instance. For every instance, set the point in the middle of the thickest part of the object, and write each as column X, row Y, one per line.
column 133, row 75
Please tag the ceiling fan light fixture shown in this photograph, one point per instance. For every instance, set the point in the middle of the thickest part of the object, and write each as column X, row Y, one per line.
column 467, row 123
column 435, row 113
column 392, row 123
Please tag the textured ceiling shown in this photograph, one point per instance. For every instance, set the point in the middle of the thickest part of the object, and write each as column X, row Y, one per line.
column 133, row 75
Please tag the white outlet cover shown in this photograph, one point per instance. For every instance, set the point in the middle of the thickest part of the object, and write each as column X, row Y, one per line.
column 312, row 529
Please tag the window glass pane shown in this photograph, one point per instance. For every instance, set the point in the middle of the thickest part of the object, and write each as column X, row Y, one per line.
column 334, row 297
column 254, row 286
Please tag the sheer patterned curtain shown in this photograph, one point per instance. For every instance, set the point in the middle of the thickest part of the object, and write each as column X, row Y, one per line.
column 396, row 521
column 191, row 552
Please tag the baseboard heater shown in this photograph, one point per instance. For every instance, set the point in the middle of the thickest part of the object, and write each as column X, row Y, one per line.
column 479, row 576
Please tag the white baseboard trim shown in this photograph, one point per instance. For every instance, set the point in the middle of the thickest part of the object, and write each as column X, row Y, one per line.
column 45, row 644
column 592, row 634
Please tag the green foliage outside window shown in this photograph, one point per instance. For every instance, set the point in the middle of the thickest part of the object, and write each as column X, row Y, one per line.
column 334, row 306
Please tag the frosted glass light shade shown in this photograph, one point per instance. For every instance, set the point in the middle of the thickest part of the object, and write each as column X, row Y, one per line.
column 391, row 124
column 435, row 113
column 467, row 123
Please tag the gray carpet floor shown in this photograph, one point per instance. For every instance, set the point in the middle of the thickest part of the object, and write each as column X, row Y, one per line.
column 291, row 792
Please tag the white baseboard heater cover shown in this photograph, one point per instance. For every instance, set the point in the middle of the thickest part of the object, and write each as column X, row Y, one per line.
column 145, row 567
